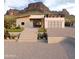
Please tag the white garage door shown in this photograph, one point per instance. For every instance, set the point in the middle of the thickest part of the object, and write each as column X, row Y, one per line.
column 53, row 23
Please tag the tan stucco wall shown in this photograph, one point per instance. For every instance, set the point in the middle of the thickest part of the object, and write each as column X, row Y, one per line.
column 49, row 22
column 26, row 20
column 19, row 20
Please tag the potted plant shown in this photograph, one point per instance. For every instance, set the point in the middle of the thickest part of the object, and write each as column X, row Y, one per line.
column 42, row 34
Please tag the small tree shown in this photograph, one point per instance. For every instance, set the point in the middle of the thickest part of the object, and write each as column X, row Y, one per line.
column 70, row 20
column 9, row 21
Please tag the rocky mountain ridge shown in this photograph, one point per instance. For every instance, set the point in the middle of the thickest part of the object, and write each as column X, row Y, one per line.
column 39, row 7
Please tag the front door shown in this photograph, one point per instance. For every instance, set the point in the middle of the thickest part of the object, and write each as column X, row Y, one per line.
column 37, row 23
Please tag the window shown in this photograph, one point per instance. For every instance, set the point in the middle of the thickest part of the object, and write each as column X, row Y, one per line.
column 22, row 23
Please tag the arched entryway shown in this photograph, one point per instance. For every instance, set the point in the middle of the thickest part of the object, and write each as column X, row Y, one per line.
column 36, row 22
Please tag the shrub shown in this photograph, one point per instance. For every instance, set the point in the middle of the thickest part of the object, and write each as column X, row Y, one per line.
column 69, row 20
column 42, row 30
column 18, row 27
column 15, row 30
column 69, row 24
column 13, row 36
column 9, row 21
column 42, row 34
column 6, row 34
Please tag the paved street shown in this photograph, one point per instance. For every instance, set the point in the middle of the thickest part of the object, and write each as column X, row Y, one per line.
column 40, row 50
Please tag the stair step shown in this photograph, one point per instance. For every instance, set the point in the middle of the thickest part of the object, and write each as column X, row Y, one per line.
column 27, row 40
column 28, row 35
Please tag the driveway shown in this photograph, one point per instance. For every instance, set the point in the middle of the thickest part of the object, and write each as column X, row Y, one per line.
column 40, row 50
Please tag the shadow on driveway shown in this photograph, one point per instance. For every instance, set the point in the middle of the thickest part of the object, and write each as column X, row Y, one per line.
column 69, row 45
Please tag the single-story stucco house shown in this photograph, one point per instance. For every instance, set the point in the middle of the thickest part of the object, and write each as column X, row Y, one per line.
column 35, row 21
column 55, row 26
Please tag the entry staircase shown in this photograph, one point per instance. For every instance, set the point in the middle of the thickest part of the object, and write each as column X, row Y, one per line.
column 29, row 35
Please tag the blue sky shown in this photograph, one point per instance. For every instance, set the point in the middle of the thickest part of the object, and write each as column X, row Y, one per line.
column 51, row 4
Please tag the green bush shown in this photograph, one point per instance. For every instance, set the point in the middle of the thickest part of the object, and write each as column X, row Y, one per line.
column 18, row 27
column 15, row 30
column 69, row 20
column 9, row 21
column 13, row 36
column 6, row 34
column 69, row 24
column 42, row 30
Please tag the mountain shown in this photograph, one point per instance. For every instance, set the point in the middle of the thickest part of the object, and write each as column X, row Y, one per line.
column 38, row 8
column 62, row 13
column 32, row 7
column 12, row 12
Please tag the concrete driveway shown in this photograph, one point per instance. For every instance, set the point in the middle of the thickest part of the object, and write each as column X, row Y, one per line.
column 40, row 50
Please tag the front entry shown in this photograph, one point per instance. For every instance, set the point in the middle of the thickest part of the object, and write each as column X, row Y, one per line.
column 36, row 23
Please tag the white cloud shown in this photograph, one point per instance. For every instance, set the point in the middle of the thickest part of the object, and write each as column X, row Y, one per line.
column 69, row 6
column 18, row 4
column 59, row 5
column 49, row 3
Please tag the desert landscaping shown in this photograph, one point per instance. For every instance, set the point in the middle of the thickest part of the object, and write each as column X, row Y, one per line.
column 38, row 33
